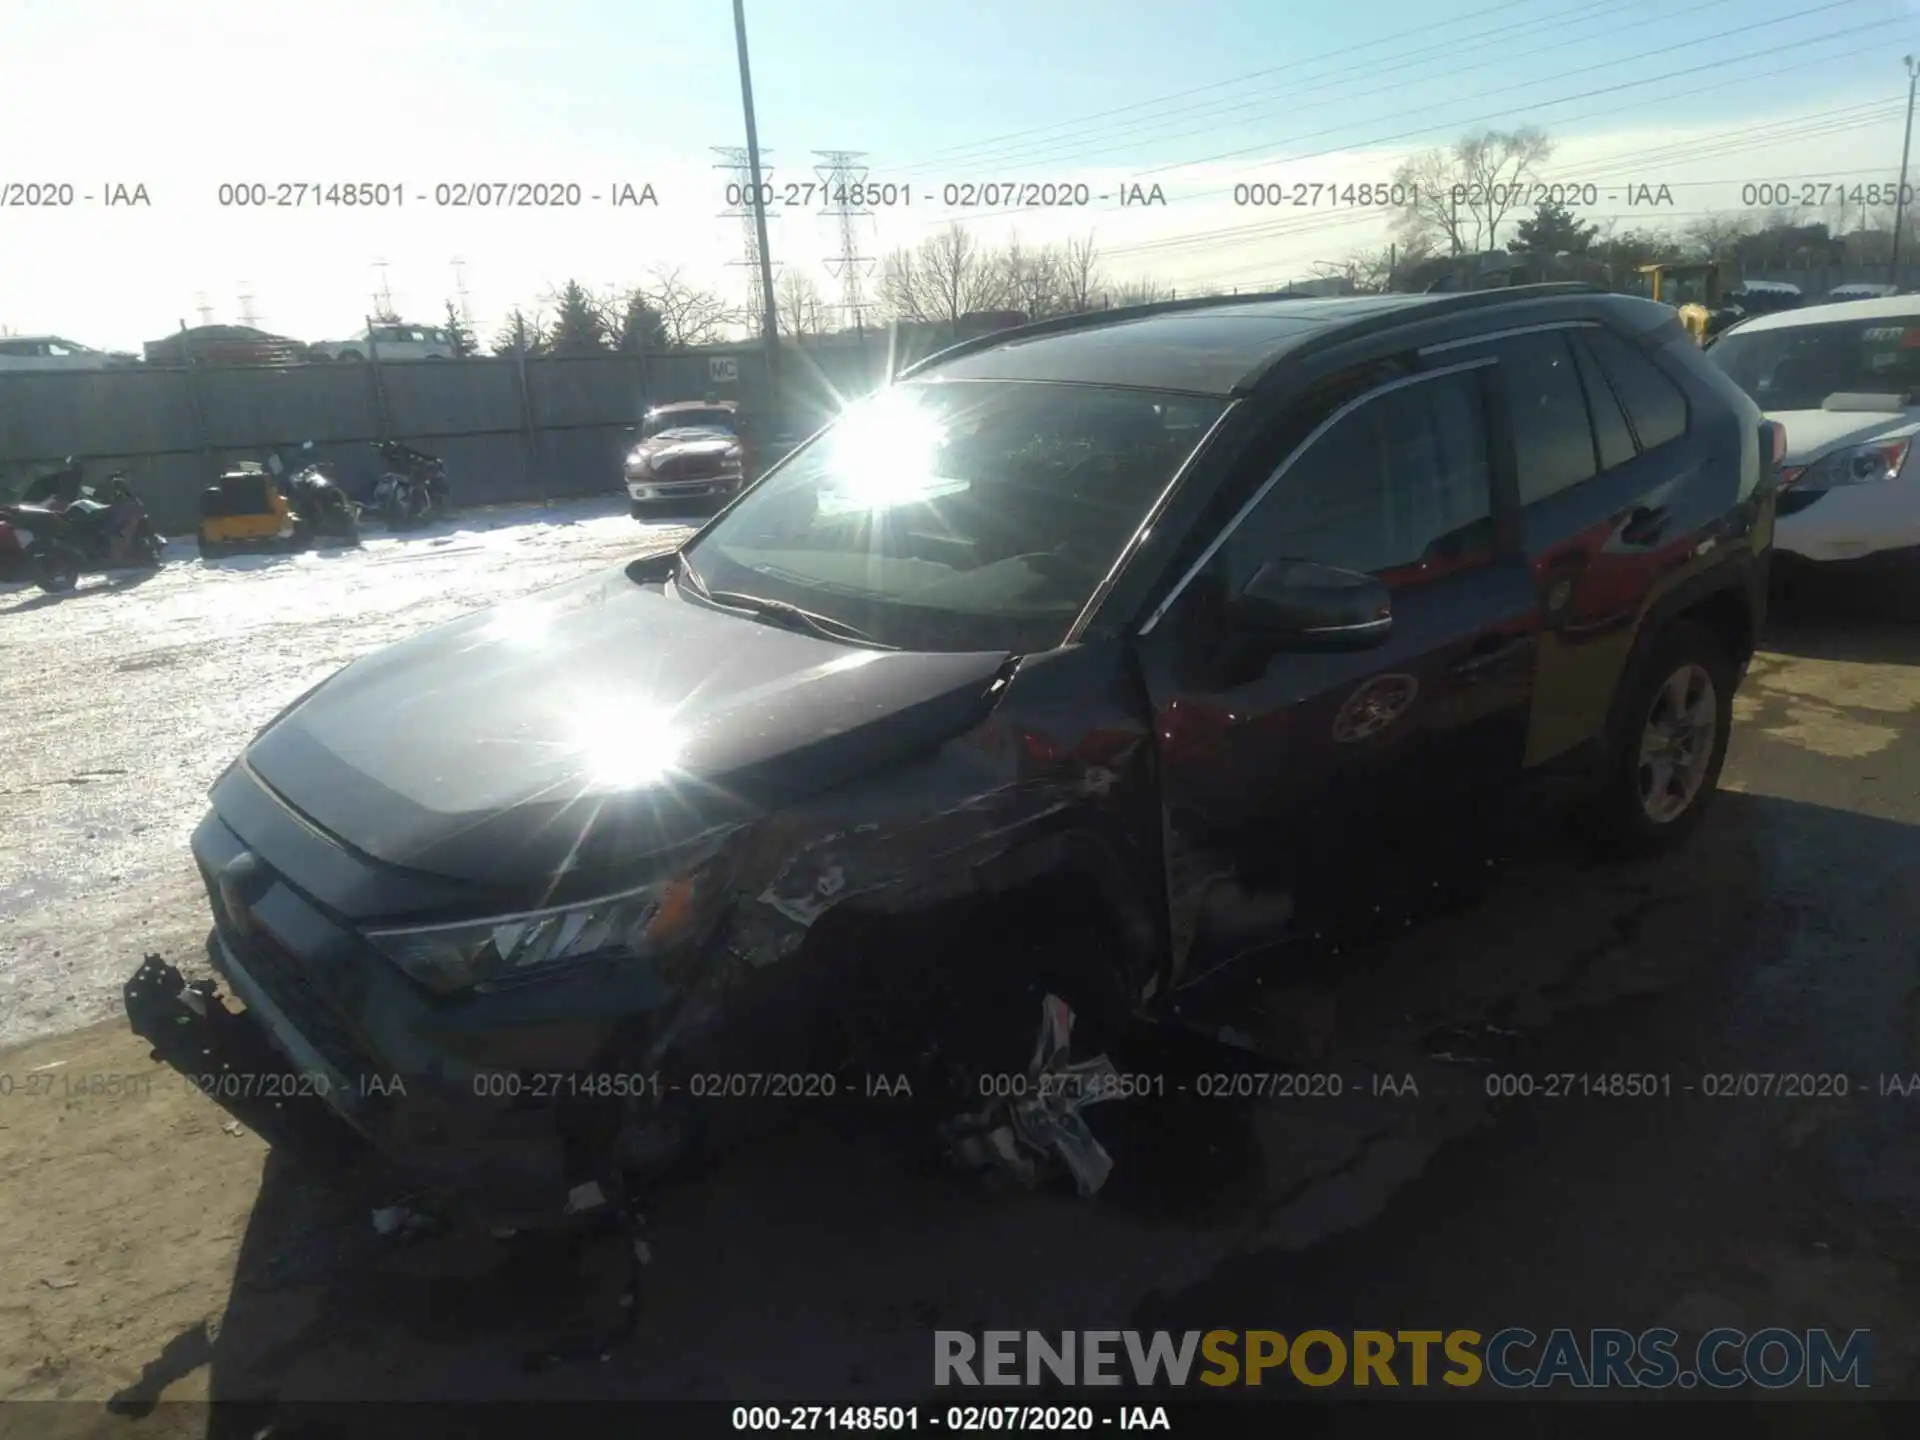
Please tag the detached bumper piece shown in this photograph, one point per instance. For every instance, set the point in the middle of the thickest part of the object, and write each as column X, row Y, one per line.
column 1022, row 1135
column 228, row 1059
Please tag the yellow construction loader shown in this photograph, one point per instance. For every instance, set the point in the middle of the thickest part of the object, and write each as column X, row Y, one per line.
column 1693, row 290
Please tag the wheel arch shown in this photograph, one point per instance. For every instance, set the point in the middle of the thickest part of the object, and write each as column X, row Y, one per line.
column 1728, row 600
column 1072, row 880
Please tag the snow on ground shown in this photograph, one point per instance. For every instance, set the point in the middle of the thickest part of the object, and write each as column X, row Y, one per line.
column 120, row 703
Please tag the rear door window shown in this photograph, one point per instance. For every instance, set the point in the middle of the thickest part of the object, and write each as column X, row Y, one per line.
column 1655, row 406
column 1610, row 430
column 1552, row 437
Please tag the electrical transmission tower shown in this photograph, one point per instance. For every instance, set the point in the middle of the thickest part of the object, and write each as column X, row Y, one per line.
column 247, row 316
column 845, row 178
column 383, row 297
column 735, row 160
column 206, row 310
column 460, row 289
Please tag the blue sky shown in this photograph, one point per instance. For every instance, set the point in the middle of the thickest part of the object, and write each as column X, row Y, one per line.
column 1705, row 95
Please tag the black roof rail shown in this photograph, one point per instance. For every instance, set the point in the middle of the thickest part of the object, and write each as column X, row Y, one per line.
column 1429, row 307
column 1091, row 319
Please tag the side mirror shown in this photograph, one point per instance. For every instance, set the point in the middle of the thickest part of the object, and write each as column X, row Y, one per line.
column 1297, row 604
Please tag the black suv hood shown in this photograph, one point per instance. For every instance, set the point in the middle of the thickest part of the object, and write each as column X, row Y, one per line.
column 514, row 746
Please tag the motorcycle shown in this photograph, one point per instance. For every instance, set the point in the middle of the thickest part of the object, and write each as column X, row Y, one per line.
column 60, row 528
column 413, row 486
column 319, row 504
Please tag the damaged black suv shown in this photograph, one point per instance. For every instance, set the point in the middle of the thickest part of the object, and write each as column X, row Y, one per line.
column 1081, row 660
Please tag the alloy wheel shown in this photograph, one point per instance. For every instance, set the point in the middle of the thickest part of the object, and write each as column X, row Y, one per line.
column 1676, row 743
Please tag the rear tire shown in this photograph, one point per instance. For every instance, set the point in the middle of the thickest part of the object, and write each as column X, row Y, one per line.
column 1664, row 763
column 56, row 570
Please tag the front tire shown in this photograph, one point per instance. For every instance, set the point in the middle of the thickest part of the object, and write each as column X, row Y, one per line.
column 1664, row 763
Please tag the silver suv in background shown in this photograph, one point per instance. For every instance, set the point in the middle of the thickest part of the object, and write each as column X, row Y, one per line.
column 394, row 342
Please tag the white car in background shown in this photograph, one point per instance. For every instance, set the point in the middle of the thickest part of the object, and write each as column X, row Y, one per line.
column 1859, row 291
column 1844, row 382
column 394, row 342
column 51, row 352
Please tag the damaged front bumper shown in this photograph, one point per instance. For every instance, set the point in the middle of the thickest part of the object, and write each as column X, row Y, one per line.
column 493, row 1106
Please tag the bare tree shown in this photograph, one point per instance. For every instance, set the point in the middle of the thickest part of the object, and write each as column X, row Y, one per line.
column 521, row 334
column 951, row 274
column 802, row 311
column 1139, row 292
column 1080, row 283
column 1035, row 279
column 689, row 314
column 1713, row 237
column 1457, row 199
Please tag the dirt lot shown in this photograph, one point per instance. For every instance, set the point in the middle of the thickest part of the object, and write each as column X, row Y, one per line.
column 156, row 1251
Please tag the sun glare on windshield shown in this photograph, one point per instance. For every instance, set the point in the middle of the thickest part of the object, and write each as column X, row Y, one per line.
column 885, row 452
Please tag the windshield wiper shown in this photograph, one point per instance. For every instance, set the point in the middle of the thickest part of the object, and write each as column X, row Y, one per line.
column 796, row 619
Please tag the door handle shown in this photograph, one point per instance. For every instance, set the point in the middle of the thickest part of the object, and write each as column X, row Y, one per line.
column 1645, row 525
column 1491, row 654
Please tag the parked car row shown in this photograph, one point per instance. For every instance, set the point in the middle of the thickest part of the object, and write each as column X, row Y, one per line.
column 230, row 345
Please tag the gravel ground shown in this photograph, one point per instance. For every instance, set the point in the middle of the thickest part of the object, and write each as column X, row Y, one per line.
column 125, row 699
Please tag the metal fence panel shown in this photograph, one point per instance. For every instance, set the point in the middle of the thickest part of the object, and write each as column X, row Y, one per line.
column 453, row 397
column 254, row 406
column 47, row 414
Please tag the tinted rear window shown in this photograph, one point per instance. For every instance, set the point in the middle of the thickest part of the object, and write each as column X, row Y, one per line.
column 1654, row 404
column 1609, row 420
column 1553, row 443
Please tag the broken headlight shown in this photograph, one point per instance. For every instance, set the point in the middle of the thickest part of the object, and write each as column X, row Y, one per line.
column 479, row 954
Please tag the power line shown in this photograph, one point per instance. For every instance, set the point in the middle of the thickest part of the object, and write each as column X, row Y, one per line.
column 1730, row 142
column 1707, row 147
column 1718, row 63
column 1797, row 66
column 1112, row 139
column 944, row 155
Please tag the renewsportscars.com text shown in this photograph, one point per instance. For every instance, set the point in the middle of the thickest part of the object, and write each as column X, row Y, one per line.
column 1513, row 1358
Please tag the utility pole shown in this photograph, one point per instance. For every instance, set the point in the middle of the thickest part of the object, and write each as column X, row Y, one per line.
column 1906, row 151
column 770, row 315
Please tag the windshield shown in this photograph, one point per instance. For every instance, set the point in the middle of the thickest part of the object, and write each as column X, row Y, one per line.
column 958, row 516
column 1797, row 367
column 721, row 420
